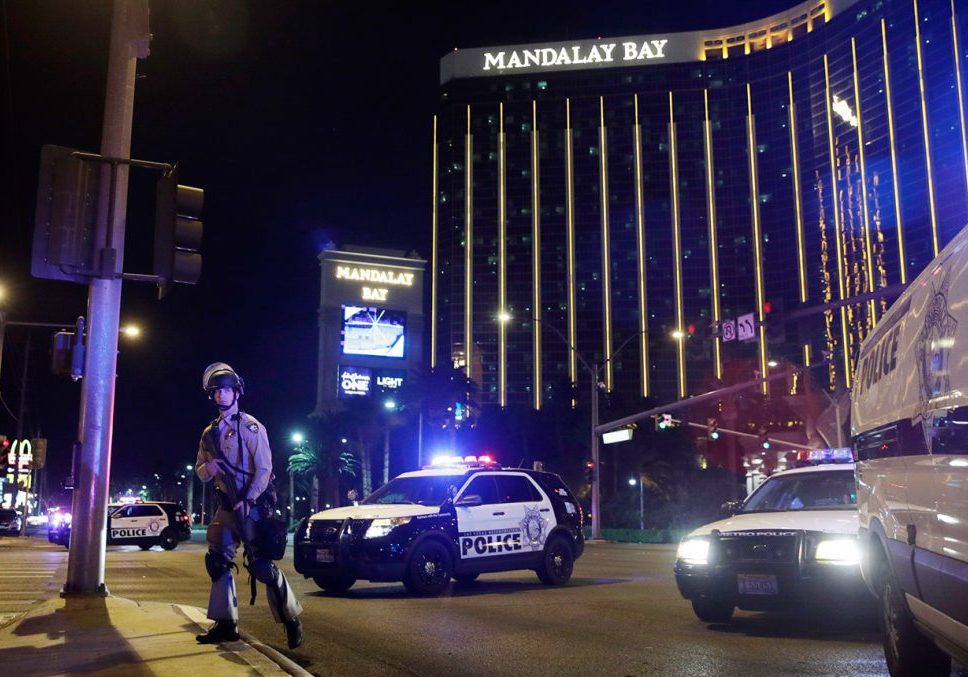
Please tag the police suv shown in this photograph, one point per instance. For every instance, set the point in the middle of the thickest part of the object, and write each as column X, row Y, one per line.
column 793, row 541
column 142, row 524
column 456, row 519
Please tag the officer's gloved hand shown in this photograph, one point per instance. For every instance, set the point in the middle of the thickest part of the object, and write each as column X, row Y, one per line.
column 214, row 468
column 242, row 508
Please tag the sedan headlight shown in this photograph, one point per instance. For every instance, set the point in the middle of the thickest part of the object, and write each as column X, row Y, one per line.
column 838, row 551
column 384, row 525
column 694, row 551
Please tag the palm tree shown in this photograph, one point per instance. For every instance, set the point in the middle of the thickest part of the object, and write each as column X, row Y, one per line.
column 316, row 458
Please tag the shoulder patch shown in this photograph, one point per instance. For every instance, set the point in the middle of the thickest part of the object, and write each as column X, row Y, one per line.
column 252, row 426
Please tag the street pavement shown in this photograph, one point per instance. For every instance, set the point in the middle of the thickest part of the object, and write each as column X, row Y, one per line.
column 45, row 633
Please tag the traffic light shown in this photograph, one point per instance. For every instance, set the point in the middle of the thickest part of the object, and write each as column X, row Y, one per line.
column 590, row 471
column 67, row 352
column 4, row 445
column 178, row 233
column 763, row 440
column 712, row 428
column 663, row 421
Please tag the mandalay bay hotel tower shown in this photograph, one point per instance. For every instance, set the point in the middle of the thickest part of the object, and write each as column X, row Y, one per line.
column 679, row 208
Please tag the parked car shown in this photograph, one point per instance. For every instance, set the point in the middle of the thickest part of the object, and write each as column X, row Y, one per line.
column 458, row 519
column 909, row 423
column 792, row 542
column 144, row 524
column 10, row 521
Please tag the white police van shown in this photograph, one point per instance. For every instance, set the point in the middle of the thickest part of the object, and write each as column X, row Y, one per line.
column 791, row 544
column 457, row 519
column 909, row 424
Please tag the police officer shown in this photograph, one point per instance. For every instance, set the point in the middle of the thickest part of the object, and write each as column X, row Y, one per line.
column 234, row 452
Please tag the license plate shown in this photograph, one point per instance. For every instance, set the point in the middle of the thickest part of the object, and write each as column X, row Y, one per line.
column 324, row 555
column 757, row 584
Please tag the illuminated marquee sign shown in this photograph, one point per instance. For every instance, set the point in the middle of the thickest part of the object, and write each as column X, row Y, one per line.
column 363, row 381
column 354, row 382
column 26, row 460
column 385, row 277
column 571, row 55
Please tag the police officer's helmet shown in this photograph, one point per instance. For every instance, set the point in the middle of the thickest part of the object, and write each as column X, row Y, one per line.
column 220, row 375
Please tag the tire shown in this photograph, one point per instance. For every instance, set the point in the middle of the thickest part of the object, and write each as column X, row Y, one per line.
column 713, row 610
column 907, row 651
column 145, row 546
column 169, row 539
column 466, row 579
column 429, row 569
column 557, row 563
column 334, row 584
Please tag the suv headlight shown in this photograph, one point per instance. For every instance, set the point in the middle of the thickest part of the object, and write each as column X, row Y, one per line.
column 838, row 551
column 694, row 551
column 384, row 525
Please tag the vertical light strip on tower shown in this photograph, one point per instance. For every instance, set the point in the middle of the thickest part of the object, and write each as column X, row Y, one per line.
column 606, row 258
column 468, row 247
column 677, row 251
column 570, row 219
column 894, row 174
column 924, row 126
column 837, row 227
column 757, row 238
column 536, row 253
column 798, row 205
column 961, row 99
column 713, row 243
column 502, row 300
column 640, row 242
column 863, row 180
column 433, row 261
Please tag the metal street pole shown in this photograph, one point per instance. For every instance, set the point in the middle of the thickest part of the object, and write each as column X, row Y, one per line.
column 201, row 512
column 85, row 565
column 292, row 499
column 190, row 478
column 596, row 474
column 641, row 504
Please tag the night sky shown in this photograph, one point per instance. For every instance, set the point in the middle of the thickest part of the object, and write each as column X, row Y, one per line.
column 304, row 122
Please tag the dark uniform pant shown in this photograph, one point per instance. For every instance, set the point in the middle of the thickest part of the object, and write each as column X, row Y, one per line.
column 223, row 538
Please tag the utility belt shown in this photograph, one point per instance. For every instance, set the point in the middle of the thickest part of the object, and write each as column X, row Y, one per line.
column 266, row 502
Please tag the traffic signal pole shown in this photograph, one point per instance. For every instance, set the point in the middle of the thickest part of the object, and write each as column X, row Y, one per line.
column 92, row 464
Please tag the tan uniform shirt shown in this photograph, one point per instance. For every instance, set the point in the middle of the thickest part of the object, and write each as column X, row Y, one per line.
column 255, row 457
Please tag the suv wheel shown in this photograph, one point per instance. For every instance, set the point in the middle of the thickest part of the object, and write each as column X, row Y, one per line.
column 907, row 651
column 428, row 569
column 169, row 539
column 334, row 584
column 144, row 546
column 557, row 563
column 713, row 610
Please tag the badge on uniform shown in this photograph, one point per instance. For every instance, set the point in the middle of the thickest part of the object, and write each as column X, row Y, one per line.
column 253, row 427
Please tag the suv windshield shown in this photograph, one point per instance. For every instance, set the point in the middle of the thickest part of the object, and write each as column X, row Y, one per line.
column 429, row 490
column 827, row 490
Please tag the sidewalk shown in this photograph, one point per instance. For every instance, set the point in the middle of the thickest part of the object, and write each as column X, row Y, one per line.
column 117, row 636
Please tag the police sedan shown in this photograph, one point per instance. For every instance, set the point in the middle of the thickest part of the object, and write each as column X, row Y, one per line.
column 457, row 519
column 792, row 542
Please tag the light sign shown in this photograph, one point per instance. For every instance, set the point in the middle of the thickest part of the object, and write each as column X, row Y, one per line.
column 572, row 55
column 378, row 280
column 374, row 332
column 613, row 436
column 843, row 111
column 354, row 382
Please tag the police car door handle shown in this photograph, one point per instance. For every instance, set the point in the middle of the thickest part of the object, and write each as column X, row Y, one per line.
column 546, row 510
column 498, row 513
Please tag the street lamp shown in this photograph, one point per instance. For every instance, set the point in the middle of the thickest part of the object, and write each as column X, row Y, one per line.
column 593, row 372
column 131, row 331
column 632, row 483
column 190, row 479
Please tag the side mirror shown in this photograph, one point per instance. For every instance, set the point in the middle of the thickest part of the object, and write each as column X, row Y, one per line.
column 469, row 501
column 730, row 508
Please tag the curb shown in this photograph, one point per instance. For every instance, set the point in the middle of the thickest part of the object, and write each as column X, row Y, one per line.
column 198, row 617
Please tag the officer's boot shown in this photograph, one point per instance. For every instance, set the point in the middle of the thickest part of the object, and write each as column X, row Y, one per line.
column 222, row 631
column 294, row 632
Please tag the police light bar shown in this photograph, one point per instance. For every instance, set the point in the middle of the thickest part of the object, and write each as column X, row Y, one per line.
column 838, row 455
column 451, row 460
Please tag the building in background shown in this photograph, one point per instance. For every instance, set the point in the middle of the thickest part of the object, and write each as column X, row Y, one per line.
column 663, row 204
column 371, row 323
